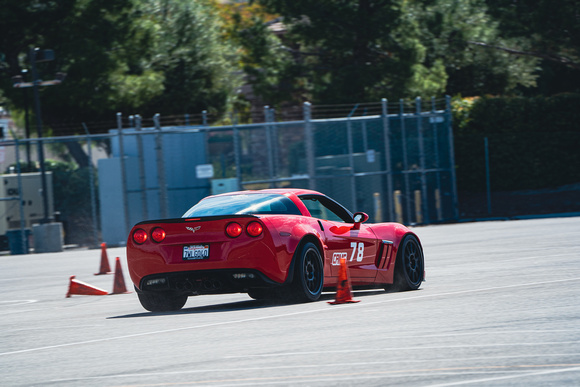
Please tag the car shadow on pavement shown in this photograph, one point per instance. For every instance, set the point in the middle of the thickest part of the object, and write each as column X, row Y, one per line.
column 240, row 305
column 228, row 307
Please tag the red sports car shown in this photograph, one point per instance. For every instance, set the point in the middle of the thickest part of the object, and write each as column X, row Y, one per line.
column 269, row 243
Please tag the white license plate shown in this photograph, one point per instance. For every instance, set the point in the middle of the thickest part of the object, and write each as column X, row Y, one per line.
column 196, row 252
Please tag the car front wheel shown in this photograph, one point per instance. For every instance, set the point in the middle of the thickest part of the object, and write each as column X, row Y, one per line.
column 410, row 264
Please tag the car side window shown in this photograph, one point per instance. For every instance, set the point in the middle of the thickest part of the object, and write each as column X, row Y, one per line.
column 322, row 208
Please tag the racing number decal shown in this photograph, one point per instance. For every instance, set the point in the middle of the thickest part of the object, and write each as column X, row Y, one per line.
column 359, row 249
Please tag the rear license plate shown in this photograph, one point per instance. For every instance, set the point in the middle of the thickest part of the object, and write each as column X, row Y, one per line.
column 195, row 252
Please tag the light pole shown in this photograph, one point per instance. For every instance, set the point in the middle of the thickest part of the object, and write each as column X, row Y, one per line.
column 36, row 55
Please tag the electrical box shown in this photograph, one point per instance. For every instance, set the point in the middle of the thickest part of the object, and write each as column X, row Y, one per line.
column 32, row 203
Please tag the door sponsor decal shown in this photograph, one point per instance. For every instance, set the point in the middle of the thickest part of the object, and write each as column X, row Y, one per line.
column 336, row 258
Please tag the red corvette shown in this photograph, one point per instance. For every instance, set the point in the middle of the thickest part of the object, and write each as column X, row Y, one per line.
column 269, row 243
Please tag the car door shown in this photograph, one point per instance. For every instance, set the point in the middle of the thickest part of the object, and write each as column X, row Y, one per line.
column 342, row 240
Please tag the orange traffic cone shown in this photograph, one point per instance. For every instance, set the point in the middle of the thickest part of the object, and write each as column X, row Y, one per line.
column 343, row 291
column 119, row 284
column 79, row 287
column 105, row 268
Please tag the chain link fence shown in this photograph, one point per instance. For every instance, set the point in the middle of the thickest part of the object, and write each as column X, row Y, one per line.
column 391, row 160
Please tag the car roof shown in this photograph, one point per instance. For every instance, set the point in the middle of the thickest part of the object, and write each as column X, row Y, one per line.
column 290, row 193
column 279, row 191
column 295, row 191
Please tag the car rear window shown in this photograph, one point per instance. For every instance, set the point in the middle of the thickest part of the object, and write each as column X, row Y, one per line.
column 240, row 204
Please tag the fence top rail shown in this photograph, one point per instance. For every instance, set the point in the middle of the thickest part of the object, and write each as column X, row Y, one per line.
column 343, row 119
column 79, row 137
column 176, row 129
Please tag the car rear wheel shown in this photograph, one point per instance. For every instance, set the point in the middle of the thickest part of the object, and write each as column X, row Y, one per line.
column 309, row 275
column 410, row 264
column 161, row 302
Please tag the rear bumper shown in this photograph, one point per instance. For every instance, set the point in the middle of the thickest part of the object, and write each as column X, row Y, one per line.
column 219, row 281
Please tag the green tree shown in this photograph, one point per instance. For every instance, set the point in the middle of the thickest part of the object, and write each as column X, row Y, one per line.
column 355, row 50
column 266, row 63
column 198, row 63
column 86, row 36
column 545, row 29
column 139, row 56
column 449, row 30
column 552, row 28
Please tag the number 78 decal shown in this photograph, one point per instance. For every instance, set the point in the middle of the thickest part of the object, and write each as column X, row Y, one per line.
column 358, row 249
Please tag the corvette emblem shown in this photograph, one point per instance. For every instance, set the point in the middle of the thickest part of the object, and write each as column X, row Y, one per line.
column 193, row 229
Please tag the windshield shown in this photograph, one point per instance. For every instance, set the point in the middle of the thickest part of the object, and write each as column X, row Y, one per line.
column 241, row 204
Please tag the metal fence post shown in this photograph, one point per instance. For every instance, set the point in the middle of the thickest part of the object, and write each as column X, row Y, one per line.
column 451, row 156
column 437, row 161
column 141, row 156
column 267, row 128
column 309, row 145
column 160, row 168
column 21, row 207
column 387, row 143
column 351, row 160
column 420, row 139
column 405, row 161
column 92, row 186
column 123, row 173
column 365, row 138
column 274, row 137
column 237, row 157
column 487, row 175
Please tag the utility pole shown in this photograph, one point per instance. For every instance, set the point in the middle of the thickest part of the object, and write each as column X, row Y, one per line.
column 35, row 55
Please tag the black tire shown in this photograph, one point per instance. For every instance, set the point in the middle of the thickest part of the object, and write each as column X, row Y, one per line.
column 309, row 274
column 161, row 302
column 409, row 266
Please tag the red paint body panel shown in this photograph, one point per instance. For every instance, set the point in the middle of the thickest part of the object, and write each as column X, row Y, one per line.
column 263, row 253
column 371, row 261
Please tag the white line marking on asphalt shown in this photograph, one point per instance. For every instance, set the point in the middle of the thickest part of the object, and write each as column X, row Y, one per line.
column 326, row 309
column 484, row 333
column 47, row 328
column 480, row 333
column 422, row 347
column 305, row 366
column 16, row 302
column 526, row 375
column 331, row 378
column 29, row 278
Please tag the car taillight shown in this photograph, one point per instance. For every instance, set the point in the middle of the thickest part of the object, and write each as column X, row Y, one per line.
column 233, row 230
column 158, row 234
column 254, row 229
column 139, row 236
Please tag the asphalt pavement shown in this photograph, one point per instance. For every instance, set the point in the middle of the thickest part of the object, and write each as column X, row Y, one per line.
column 500, row 307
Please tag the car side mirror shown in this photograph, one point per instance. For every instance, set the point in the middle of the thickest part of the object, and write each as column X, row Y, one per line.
column 359, row 217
